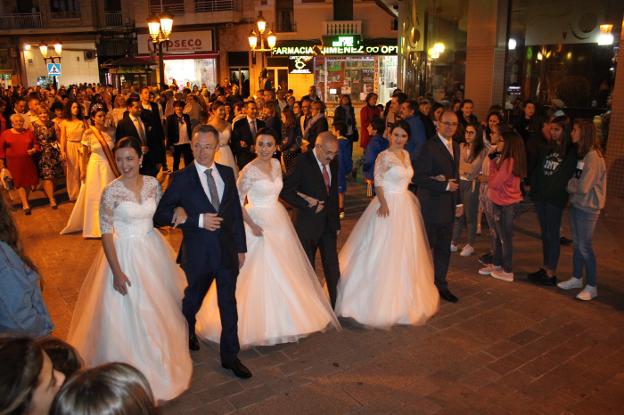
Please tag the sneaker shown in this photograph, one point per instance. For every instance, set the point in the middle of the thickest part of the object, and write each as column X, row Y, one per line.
column 467, row 250
column 500, row 274
column 486, row 259
column 571, row 283
column 453, row 247
column 489, row 269
column 588, row 293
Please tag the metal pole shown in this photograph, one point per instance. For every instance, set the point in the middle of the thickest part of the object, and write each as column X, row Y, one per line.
column 161, row 66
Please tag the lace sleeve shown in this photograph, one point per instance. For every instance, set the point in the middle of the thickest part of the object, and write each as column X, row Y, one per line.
column 107, row 206
column 152, row 189
column 86, row 138
column 381, row 166
column 245, row 181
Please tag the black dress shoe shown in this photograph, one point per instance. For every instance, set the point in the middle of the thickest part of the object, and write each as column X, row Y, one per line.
column 239, row 369
column 193, row 343
column 565, row 241
column 445, row 294
column 537, row 276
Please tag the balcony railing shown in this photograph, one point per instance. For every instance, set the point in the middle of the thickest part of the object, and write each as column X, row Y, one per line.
column 285, row 21
column 113, row 19
column 342, row 27
column 21, row 21
column 176, row 9
column 203, row 6
column 65, row 14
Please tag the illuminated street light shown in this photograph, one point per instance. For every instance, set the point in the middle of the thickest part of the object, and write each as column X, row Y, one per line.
column 605, row 38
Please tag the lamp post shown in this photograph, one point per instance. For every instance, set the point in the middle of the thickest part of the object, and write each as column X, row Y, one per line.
column 159, row 30
column 261, row 41
column 58, row 49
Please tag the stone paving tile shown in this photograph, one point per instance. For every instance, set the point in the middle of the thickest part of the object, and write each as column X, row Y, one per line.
column 503, row 349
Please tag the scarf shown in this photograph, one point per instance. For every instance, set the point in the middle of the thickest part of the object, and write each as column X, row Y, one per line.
column 312, row 121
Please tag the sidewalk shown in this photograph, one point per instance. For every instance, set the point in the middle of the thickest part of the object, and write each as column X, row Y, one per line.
column 505, row 348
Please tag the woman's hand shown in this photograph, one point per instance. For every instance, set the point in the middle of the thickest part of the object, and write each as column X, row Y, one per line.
column 256, row 230
column 383, row 210
column 179, row 216
column 119, row 283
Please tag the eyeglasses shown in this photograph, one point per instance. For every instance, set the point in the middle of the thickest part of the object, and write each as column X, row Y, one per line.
column 450, row 124
column 471, row 132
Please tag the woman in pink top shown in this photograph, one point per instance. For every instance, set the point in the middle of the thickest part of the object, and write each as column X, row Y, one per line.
column 504, row 193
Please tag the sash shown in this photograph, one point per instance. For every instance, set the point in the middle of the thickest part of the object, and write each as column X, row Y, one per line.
column 107, row 151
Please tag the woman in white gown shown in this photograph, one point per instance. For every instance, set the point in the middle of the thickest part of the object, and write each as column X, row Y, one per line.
column 278, row 295
column 224, row 155
column 386, row 265
column 130, row 305
column 97, row 144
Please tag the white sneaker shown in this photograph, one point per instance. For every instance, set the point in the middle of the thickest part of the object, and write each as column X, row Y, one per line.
column 453, row 247
column 467, row 250
column 571, row 283
column 500, row 274
column 588, row 293
column 489, row 269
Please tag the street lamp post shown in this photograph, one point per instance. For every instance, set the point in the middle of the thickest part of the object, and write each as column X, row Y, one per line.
column 58, row 49
column 260, row 41
column 159, row 30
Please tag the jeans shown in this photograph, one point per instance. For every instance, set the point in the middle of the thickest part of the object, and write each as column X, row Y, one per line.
column 470, row 198
column 583, row 225
column 486, row 205
column 549, row 217
column 503, row 221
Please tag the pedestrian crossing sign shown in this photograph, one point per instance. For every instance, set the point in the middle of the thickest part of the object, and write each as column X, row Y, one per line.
column 54, row 69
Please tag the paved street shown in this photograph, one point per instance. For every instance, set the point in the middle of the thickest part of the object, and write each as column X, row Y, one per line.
column 505, row 348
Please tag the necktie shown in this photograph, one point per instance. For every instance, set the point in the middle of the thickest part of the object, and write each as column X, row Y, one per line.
column 252, row 124
column 449, row 147
column 212, row 189
column 326, row 178
column 140, row 129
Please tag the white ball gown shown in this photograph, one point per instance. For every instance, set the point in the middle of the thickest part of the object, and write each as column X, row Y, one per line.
column 279, row 297
column 144, row 328
column 386, row 266
column 224, row 155
column 85, row 214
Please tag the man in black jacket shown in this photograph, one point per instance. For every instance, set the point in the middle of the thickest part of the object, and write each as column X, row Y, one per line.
column 179, row 135
column 244, row 134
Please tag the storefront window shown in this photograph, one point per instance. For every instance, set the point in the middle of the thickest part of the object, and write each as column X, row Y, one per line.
column 195, row 71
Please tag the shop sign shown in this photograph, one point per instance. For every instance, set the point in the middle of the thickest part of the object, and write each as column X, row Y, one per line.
column 336, row 46
column 300, row 65
column 179, row 42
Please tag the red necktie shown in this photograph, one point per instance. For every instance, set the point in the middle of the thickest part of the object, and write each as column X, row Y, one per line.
column 326, row 178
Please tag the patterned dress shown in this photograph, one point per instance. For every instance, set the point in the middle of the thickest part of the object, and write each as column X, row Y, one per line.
column 49, row 163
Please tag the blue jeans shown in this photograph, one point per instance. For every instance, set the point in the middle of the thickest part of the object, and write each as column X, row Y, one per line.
column 503, row 220
column 469, row 194
column 583, row 225
column 549, row 217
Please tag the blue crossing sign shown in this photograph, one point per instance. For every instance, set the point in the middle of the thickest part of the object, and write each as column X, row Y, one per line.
column 54, row 69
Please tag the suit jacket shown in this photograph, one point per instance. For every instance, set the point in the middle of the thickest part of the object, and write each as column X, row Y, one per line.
column 173, row 128
column 242, row 132
column 156, row 134
column 125, row 128
column 204, row 251
column 438, row 205
column 306, row 177
column 318, row 127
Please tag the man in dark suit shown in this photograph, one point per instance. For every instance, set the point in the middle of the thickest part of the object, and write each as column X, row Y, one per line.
column 179, row 135
column 132, row 125
column 315, row 175
column 316, row 125
column 152, row 116
column 244, row 134
column 436, row 175
column 213, row 241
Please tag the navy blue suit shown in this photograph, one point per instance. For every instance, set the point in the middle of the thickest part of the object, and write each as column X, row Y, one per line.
column 208, row 255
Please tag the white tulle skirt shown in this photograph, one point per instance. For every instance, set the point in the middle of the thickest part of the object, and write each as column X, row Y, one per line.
column 225, row 156
column 146, row 327
column 279, row 297
column 386, row 267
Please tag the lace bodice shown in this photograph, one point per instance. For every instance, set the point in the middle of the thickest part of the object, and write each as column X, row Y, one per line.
column 121, row 213
column 90, row 141
column 259, row 188
column 391, row 173
column 224, row 136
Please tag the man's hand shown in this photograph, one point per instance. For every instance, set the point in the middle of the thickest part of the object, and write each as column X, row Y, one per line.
column 453, row 185
column 319, row 206
column 243, row 144
column 459, row 211
column 212, row 222
column 179, row 216
column 144, row 149
column 241, row 259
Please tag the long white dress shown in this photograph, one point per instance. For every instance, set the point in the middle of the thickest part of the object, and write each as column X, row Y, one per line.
column 386, row 266
column 85, row 214
column 225, row 155
column 145, row 327
column 279, row 297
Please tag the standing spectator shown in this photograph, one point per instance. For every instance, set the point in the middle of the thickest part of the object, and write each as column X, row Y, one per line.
column 588, row 191
column 118, row 111
column 417, row 134
column 471, row 154
column 548, row 190
column 22, row 310
column 28, row 381
column 49, row 160
column 393, row 111
column 526, row 124
column 316, row 124
column 33, row 109
column 505, row 177
column 465, row 116
column 345, row 113
column 72, row 128
column 367, row 114
column 312, row 95
column 244, row 133
column 303, row 118
column 17, row 146
column 19, row 107
column 289, row 146
column 179, row 135
column 426, row 115
column 151, row 115
column 345, row 162
column 376, row 145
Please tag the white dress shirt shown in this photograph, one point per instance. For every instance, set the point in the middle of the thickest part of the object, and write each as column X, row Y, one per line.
column 321, row 165
column 253, row 126
column 183, row 137
column 204, row 182
column 136, row 121
column 448, row 143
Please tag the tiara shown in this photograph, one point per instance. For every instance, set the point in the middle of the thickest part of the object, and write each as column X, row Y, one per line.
column 97, row 107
